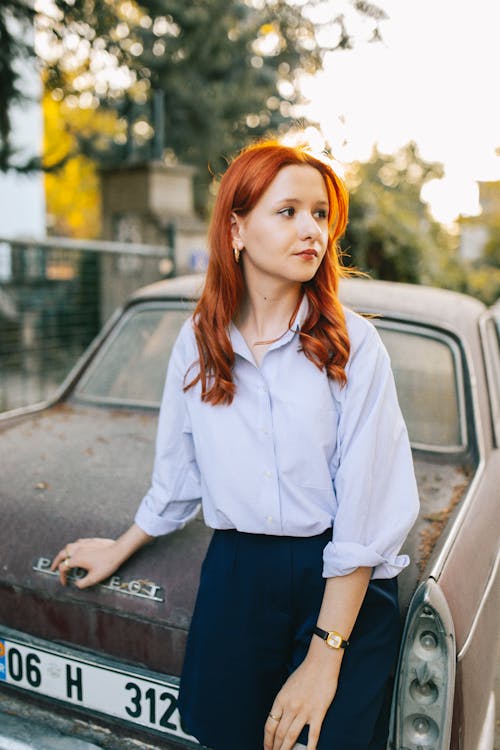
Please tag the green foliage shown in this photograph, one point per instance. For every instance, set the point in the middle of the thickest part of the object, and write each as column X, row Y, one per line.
column 481, row 277
column 391, row 233
column 491, row 251
column 227, row 70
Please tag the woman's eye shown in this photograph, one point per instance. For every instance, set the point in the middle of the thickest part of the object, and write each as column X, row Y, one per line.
column 289, row 211
column 322, row 213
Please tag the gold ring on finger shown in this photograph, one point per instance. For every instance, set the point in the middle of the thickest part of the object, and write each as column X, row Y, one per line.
column 275, row 718
column 66, row 563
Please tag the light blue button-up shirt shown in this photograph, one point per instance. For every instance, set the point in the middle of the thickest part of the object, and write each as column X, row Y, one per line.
column 294, row 454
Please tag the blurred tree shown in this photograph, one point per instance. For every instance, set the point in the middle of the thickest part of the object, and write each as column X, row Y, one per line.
column 72, row 192
column 481, row 280
column 391, row 233
column 491, row 251
column 481, row 277
column 226, row 70
column 16, row 29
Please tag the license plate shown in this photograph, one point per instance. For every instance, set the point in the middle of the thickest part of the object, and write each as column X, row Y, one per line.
column 145, row 699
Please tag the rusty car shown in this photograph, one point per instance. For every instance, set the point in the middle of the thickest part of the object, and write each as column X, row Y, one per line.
column 102, row 665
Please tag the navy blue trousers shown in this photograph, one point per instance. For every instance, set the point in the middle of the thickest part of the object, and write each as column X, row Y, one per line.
column 257, row 604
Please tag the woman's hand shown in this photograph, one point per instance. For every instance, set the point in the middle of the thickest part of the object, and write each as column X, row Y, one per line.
column 99, row 557
column 304, row 699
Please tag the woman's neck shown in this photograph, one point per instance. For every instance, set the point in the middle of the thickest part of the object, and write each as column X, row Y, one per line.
column 266, row 311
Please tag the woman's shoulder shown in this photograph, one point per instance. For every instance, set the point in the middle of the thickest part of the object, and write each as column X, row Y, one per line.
column 359, row 329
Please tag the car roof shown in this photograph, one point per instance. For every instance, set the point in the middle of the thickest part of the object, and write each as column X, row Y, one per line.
column 419, row 303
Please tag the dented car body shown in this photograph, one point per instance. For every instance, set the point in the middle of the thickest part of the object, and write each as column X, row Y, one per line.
column 78, row 466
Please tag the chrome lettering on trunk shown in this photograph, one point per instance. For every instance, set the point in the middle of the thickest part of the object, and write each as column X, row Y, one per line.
column 141, row 587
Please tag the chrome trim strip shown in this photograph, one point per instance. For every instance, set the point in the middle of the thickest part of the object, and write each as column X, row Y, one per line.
column 438, row 565
column 491, row 581
column 489, row 357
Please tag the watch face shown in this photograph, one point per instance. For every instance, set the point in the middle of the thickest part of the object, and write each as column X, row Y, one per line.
column 334, row 640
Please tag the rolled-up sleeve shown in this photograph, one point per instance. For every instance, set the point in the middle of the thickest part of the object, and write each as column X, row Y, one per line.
column 374, row 479
column 174, row 495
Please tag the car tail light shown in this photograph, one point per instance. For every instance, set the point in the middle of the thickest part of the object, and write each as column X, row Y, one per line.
column 425, row 680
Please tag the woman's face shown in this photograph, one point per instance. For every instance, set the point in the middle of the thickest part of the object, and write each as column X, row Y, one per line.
column 284, row 237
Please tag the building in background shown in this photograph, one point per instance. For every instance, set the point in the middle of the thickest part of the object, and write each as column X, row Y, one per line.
column 476, row 232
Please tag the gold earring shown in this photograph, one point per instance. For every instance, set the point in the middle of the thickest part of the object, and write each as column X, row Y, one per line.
column 236, row 253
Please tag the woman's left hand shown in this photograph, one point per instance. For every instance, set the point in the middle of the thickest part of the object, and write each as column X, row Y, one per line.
column 304, row 699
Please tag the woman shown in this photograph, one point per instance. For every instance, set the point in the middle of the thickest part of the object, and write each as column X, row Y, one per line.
column 280, row 412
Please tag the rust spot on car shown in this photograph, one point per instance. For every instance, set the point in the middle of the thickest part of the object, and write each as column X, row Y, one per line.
column 120, row 414
column 436, row 523
column 42, row 486
column 62, row 408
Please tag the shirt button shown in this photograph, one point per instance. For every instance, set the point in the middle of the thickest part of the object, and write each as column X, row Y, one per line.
column 267, row 474
column 265, row 431
column 269, row 519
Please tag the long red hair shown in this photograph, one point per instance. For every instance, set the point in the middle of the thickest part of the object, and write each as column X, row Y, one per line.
column 323, row 335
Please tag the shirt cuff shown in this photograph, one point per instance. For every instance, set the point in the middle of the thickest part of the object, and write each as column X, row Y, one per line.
column 342, row 558
column 155, row 525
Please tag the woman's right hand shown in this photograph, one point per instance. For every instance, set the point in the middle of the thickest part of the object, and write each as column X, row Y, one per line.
column 99, row 557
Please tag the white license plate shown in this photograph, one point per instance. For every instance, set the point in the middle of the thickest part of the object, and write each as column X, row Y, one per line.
column 113, row 690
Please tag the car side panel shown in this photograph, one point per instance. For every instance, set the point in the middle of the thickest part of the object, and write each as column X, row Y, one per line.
column 475, row 672
column 470, row 581
column 472, row 556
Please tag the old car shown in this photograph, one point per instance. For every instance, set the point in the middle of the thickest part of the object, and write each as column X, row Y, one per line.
column 99, row 667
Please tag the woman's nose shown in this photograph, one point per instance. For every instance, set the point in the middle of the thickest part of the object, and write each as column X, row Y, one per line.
column 308, row 226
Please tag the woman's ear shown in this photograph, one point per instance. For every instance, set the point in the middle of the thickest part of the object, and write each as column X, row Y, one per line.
column 236, row 225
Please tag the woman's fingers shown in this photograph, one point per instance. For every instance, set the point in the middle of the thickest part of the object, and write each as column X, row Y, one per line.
column 87, row 554
column 286, row 737
column 62, row 563
column 62, row 555
column 281, row 733
column 274, row 717
column 282, row 727
column 313, row 737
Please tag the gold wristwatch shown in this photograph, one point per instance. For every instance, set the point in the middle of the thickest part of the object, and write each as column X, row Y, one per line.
column 331, row 638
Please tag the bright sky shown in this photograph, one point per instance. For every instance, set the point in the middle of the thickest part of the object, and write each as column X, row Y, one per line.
column 433, row 80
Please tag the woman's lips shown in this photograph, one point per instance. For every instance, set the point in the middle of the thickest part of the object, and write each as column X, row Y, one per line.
column 307, row 254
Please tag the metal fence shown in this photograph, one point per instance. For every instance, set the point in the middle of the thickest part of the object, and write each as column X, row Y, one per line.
column 55, row 295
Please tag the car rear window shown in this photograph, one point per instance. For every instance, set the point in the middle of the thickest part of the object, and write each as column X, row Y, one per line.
column 130, row 368
column 428, row 378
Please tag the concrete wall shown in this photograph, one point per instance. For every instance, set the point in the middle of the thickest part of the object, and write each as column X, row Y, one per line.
column 153, row 203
